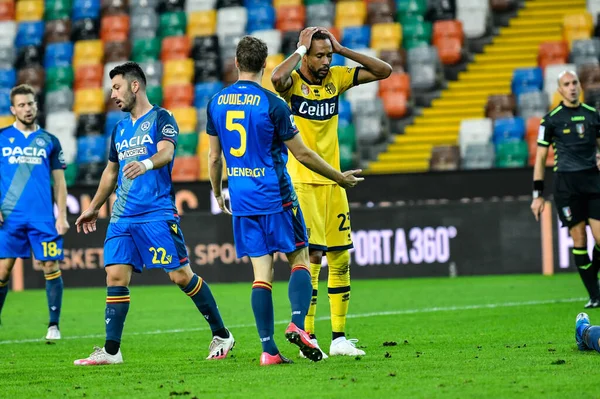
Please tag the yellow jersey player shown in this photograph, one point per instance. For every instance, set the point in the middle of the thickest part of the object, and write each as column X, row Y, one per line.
column 313, row 92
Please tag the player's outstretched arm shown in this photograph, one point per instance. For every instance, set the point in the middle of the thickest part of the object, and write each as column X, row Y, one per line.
column 314, row 162
column 537, row 205
column 87, row 220
column 215, row 171
column 282, row 74
column 60, row 196
column 373, row 68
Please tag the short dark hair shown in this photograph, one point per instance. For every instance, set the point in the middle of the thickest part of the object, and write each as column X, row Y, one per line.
column 318, row 35
column 251, row 54
column 21, row 89
column 130, row 71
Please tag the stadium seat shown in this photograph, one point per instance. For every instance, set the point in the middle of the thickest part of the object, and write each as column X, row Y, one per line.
column 89, row 174
column 89, row 101
column 199, row 5
column 474, row 131
column 57, row 9
column 395, row 104
column 203, row 92
column 411, row 7
column 170, row 6
column 89, row 76
column 112, row 118
column 90, row 124
column 396, row 59
column 479, row 156
column 178, row 96
column 396, row 82
column 592, row 97
column 175, row 48
column 6, row 120
column 289, row 42
column 474, row 16
column 524, row 78
column 185, row 169
column 205, row 46
column 172, row 24
column 57, row 31
column 7, row 11
column 202, row 116
column 320, row 14
column 58, row 78
column 207, row 70
column 29, row 10
column 114, row 28
column 350, row 13
column 88, row 52
column 117, row 51
column 508, row 129
column 290, row 18
column 145, row 50
column 8, row 33
column 58, row 55
column 187, row 143
column 153, row 71
column 379, row 12
column 534, row 103
column 260, row 17
column 585, row 51
column 423, row 66
column 231, row 21
column 136, row 5
column 577, row 26
column 8, row 55
column 500, row 106
column 91, row 149
column 178, row 71
column 58, row 100
column 186, row 118
column 30, row 34
column 356, row 36
column 33, row 76
column 86, row 9
column 202, row 23
column 386, row 36
column 144, row 23
column 5, row 101
column 272, row 38
column 155, row 94
column 512, row 154
column 29, row 56
column 443, row 158
column 282, row 3
column 554, row 52
column 85, row 29
column 113, row 7
column 8, row 78
column 589, row 75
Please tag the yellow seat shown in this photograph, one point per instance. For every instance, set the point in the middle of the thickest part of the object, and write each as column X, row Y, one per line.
column 88, row 52
column 29, row 10
column 203, row 147
column 577, row 26
column 350, row 13
column 202, row 23
column 178, row 71
column 386, row 36
column 186, row 118
column 279, row 3
column 89, row 101
column 6, row 120
column 272, row 62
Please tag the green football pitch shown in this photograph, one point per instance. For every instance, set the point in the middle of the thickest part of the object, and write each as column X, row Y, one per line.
column 501, row 336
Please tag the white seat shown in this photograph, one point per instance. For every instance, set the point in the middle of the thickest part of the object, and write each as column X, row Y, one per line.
column 551, row 77
column 366, row 51
column 366, row 91
column 272, row 37
column 106, row 82
column 199, row 5
column 474, row 16
column 63, row 125
column 474, row 131
column 8, row 32
column 231, row 21
column 593, row 6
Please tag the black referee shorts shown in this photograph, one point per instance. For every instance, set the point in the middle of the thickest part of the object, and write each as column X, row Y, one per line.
column 577, row 196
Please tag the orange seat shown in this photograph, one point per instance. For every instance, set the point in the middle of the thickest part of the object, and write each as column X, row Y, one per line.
column 185, row 169
column 89, row 76
column 555, row 52
column 178, row 96
column 533, row 127
column 114, row 28
column 290, row 18
column 7, row 10
column 444, row 29
column 394, row 104
column 450, row 50
column 397, row 82
column 175, row 48
column 29, row 10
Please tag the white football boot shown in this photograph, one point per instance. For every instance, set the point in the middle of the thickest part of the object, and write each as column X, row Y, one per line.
column 345, row 347
column 53, row 333
column 220, row 347
column 100, row 357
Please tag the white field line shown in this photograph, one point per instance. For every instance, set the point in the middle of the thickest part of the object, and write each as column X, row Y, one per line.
column 350, row 316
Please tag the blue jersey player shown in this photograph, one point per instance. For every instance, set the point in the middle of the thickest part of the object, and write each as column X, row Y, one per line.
column 144, row 227
column 253, row 128
column 31, row 158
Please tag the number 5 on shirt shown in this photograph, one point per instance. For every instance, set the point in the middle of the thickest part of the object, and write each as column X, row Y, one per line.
column 232, row 126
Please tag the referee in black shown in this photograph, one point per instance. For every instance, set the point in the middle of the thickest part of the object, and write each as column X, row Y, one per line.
column 573, row 129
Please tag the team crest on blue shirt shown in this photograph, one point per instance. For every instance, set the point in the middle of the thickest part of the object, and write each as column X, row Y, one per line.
column 40, row 142
column 145, row 126
column 580, row 127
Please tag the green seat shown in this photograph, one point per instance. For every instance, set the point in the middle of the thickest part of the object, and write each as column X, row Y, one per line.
column 57, row 9
column 59, row 78
column 155, row 95
column 172, row 24
column 309, row 2
column 346, row 157
column 512, row 154
column 187, row 143
column 411, row 7
column 145, row 50
column 415, row 31
column 71, row 174
column 347, row 140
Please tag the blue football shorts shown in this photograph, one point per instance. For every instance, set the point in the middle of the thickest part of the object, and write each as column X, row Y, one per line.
column 18, row 240
column 260, row 235
column 158, row 244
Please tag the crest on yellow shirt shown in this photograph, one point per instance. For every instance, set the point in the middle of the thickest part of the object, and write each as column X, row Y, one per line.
column 330, row 88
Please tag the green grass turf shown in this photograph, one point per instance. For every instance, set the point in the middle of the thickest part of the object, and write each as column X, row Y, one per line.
column 448, row 344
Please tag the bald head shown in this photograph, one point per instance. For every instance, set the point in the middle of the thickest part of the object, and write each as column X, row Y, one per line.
column 568, row 73
column 569, row 88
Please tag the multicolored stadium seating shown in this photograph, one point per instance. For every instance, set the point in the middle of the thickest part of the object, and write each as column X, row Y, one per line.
column 467, row 91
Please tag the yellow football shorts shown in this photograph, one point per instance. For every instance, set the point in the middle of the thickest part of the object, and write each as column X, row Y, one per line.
column 327, row 216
